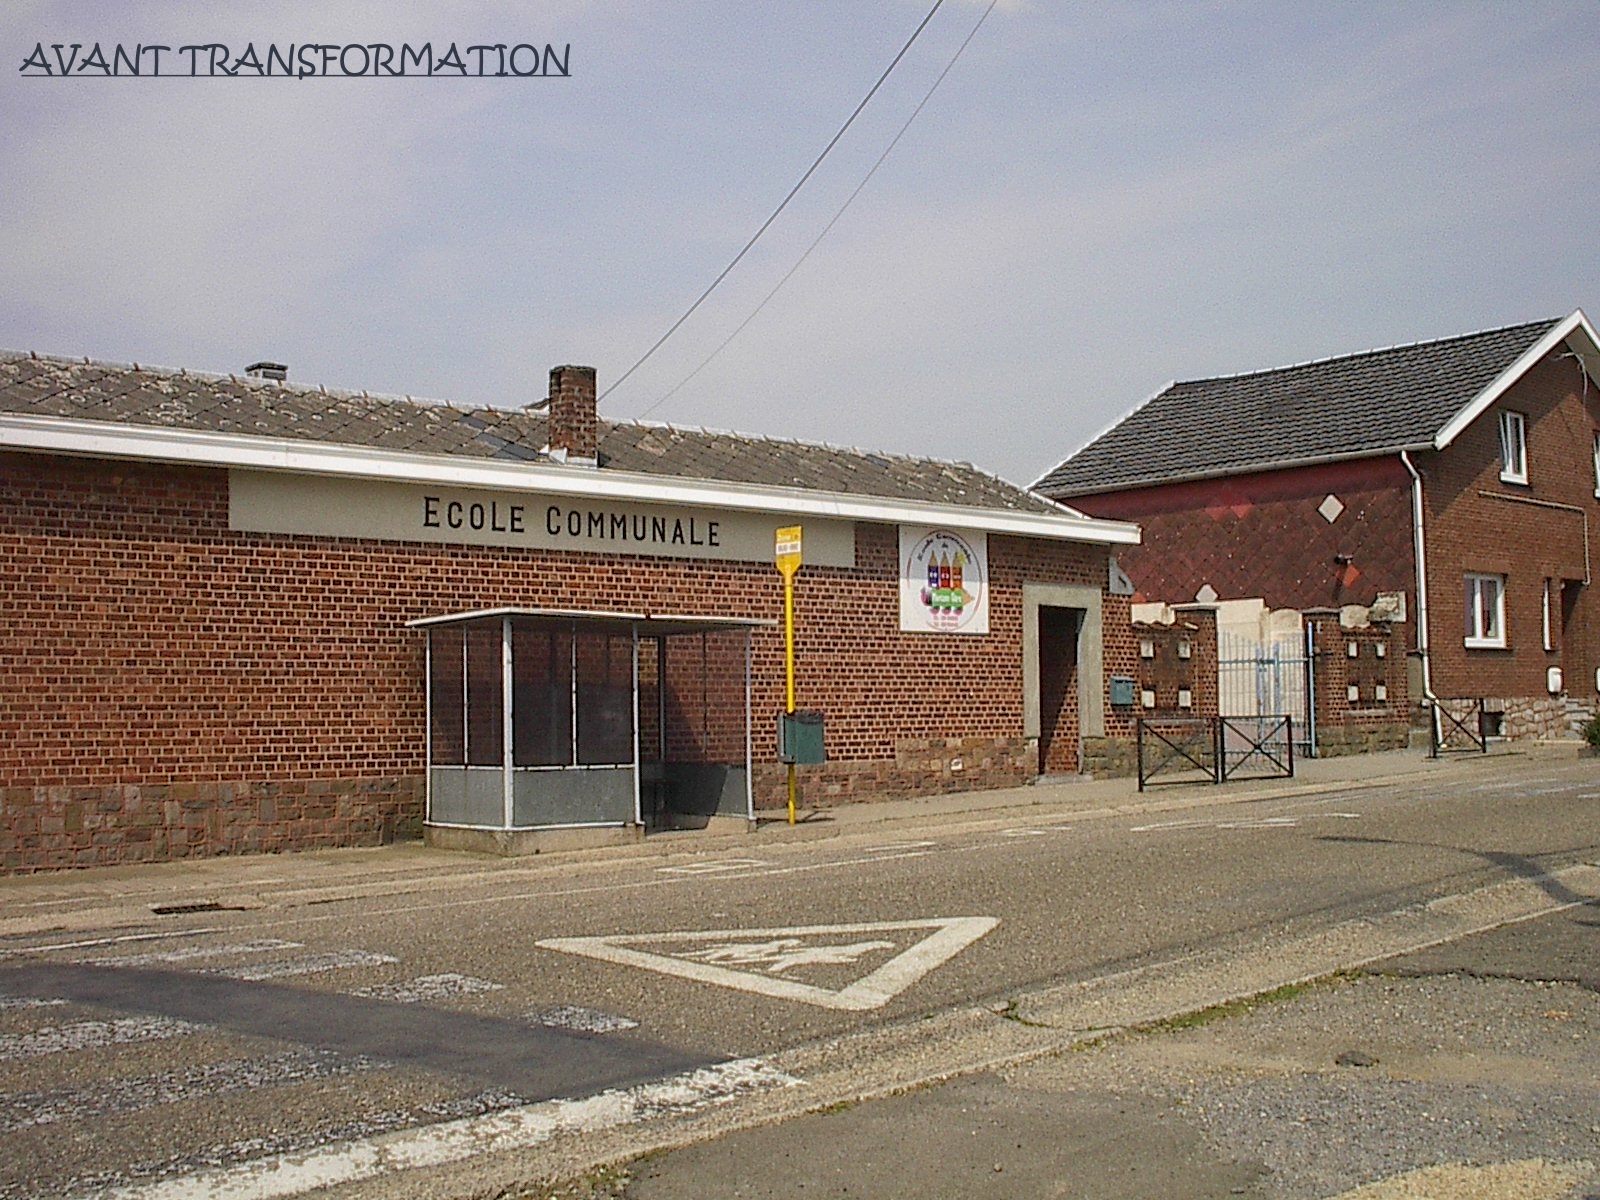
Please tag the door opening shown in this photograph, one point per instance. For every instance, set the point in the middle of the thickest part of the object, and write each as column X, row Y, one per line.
column 1059, row 730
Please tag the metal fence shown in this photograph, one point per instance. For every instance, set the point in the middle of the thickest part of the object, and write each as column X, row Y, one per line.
column 1214, row 749
column 1450, row 733
column 1268, row 679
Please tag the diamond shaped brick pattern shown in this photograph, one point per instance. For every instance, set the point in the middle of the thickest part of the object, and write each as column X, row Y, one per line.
column 1267, row 536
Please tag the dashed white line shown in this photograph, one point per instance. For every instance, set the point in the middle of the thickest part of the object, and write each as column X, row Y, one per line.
column 426, row 988
column 714, row 867
column 584, row 1020
column 162, row 957
column 311, row 964
column 92, row 1035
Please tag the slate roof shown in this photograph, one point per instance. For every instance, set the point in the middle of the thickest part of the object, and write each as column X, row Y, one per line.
column 1372, row 403
column 129, row 394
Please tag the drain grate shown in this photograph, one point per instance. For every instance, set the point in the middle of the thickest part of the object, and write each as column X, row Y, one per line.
column 194, row 906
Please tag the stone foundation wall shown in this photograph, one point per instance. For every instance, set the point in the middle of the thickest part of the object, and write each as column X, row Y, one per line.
column 1521, row 717
column 920, row 767
column 1110, row 757
column 1336, row 740
column 51, row 828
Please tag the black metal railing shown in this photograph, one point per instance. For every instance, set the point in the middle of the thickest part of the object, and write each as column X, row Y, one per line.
column 1213, row 749
column 1453, row 734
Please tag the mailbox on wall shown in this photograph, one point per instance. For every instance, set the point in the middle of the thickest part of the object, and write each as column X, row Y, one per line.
column 800, row 737
column 1122, row 690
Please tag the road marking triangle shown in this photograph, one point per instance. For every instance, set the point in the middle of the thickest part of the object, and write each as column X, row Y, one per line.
column 779, row 950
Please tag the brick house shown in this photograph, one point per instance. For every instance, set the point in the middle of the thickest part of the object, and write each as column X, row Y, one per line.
column 1463, row 474
column 248, row 615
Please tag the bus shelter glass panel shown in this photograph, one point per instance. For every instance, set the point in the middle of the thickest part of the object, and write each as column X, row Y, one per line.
column 694, row 726
column 603, row 680
column 572, row 724
column 541, row 696
column 465, row 728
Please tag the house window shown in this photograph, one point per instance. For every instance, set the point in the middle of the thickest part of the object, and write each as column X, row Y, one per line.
column 1597, row 464
column 1486, row 610
column 1513, row 447
column 1549, row 632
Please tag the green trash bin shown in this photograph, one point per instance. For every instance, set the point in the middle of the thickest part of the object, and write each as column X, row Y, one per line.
column 800, row 737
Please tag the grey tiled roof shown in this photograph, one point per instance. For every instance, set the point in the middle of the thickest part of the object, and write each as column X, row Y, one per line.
column 1382, row 400
column 240, row 405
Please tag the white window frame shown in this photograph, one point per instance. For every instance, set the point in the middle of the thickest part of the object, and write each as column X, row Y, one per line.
column 1513, row 447
column 1549, row 625
column 1484, row 634
column 1597, row 463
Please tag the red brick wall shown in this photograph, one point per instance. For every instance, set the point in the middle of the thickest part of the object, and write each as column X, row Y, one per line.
column 148, row 648
column 1371, row 721
column 1167, row 670
column 1261, row 535
column 1473, row 526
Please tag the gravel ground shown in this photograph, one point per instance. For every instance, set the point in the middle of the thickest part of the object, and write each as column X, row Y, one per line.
column 1356, row 1081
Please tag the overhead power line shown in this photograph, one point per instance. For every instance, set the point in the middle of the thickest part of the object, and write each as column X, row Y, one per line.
column 792, row 191
column 706, row 362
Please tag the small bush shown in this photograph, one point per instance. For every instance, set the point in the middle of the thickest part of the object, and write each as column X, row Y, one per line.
column 1591, row 732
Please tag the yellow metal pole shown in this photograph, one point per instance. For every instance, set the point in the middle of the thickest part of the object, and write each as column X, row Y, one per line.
column 788, row 663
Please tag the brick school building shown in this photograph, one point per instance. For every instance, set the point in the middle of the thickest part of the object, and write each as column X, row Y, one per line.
column 245, row 615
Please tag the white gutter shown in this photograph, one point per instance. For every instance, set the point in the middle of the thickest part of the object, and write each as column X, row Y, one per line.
column 62, row 435
column 1419, row 542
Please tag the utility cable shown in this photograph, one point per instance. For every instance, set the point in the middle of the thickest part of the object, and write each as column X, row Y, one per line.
column 829, row 226
column 809, row 172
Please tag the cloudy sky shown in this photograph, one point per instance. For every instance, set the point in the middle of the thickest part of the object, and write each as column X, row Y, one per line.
column 1098, row 199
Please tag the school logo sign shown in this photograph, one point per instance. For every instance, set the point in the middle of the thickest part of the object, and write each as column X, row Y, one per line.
column 944, row 581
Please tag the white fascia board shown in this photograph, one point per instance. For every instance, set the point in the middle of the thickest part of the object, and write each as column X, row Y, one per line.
column 63, row 435
column 1576, row 323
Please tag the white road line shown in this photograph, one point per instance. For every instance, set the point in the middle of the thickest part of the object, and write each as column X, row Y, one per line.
column 435, row 1145
column 311, row 964
column 714, row 867
column 161, row 957
column 92, row 1035
column 583, row 1020
column 106, row 1097
column 777, row 948
column 426, row 988
column 119, row 939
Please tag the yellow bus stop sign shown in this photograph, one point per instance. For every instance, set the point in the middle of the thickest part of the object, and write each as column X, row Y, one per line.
column 786, row 550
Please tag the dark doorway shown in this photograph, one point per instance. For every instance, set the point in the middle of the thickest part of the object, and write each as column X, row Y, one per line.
column 1570, row 637
column 1058, row 689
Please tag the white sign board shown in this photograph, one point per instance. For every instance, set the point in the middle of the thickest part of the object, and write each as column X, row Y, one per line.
column 267, row 502
column 944, row 580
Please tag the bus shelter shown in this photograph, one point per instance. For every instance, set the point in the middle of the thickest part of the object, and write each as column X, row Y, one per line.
column 550, row 728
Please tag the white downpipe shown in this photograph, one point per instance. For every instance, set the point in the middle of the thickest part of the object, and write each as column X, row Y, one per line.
column 1418, row 543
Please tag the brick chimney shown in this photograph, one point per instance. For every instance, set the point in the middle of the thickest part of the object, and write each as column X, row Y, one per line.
column 574, row 426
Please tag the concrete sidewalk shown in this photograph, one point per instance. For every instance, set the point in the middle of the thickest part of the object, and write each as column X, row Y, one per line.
column 101, row 897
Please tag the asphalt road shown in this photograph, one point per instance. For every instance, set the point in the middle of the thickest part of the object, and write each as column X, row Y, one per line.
column 476, row 1027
